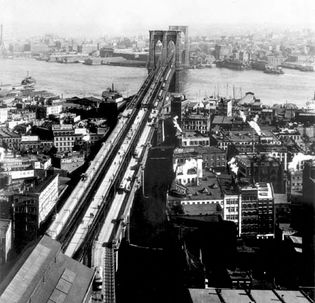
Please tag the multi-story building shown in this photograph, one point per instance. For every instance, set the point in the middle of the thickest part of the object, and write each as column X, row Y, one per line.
column 309, row 182
column 250, row 207
column 226, row 123
column 198, row 191
column 296, row 181
column 231, row 200
column 64, row 137
column 21, row 167
column 277, row 151
column 196, row 121
column 261, row 168
column 285, row 134
column 267, row 116
column 192, row 138
column 256, row 209
column 3, row 114
column 176, row 106
column 34, row 144
column 212, row 157
column 244, row 137
column 224, row 107
column 9, row 139
column 5, row 201
column 32, row 207
column 5, row 239
column 54, row 109
column 195, row 190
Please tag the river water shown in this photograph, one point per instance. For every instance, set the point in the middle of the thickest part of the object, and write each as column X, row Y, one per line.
column 86, row 80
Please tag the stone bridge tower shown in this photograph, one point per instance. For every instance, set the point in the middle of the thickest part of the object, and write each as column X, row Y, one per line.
column 174, row 34
column 181, row 52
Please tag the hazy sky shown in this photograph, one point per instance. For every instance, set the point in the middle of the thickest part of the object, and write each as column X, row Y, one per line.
column 93, row 18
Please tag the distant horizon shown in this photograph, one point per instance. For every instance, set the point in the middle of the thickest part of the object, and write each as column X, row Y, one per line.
column 207, row 30
column 98, row 18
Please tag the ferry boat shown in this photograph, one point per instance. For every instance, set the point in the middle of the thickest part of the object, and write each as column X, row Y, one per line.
column 112, row 96
column 231, row 64
column 299, row 66
column 259, row 64
column 28, row 81
column 306, row 68
column 275, row 70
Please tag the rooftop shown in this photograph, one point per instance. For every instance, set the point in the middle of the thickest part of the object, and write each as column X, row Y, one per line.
column 269, row 148
column 182, row 152
column 226, row 184
column 225, row 120
column 193, row 134
column 247, row 135
column 46, row 275
column 201, row 209
column 4, row 132
column 193, row 115
column 40, row 187
column 207, row 188
column 214, row 295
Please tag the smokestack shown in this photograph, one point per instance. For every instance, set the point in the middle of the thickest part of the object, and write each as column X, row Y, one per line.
column 1, row 34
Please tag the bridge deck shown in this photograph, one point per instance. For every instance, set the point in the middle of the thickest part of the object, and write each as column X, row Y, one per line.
column 103, row 190
column 102, row 156
column 107, row 232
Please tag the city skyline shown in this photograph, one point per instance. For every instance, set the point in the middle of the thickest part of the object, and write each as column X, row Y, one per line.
column 97, row 18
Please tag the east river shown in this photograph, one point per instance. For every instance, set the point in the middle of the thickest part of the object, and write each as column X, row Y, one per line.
column 86, row 80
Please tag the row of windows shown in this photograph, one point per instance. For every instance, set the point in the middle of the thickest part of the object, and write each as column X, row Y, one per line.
column 195, row 127
column 63, row 134
column 188, row 180
column 199, row 142
column 297, row 184
column 64, row 138
column 26, row 209
column 231, row 201
column 64, row 148
column 65, row 144
column 249, row 198
column 217, row 164
column 232, row 209
column 195, row 122
column 231, row 217
column 11, row 140
column 199, row 202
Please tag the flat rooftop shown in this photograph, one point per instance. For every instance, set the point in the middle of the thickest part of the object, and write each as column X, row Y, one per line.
column 226, row 184
column 212, row 295
column 182, row 152
column 40, row 187
column 193, row 134
column 206, row 189
column 225, row 120
column 46, row 275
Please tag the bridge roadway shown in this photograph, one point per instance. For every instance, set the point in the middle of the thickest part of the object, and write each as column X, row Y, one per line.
column 105, row 247
column 92, row 219
column 62, row 227
column 76, row 220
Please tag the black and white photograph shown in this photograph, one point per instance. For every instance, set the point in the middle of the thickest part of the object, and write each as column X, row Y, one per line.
column 157, row 151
